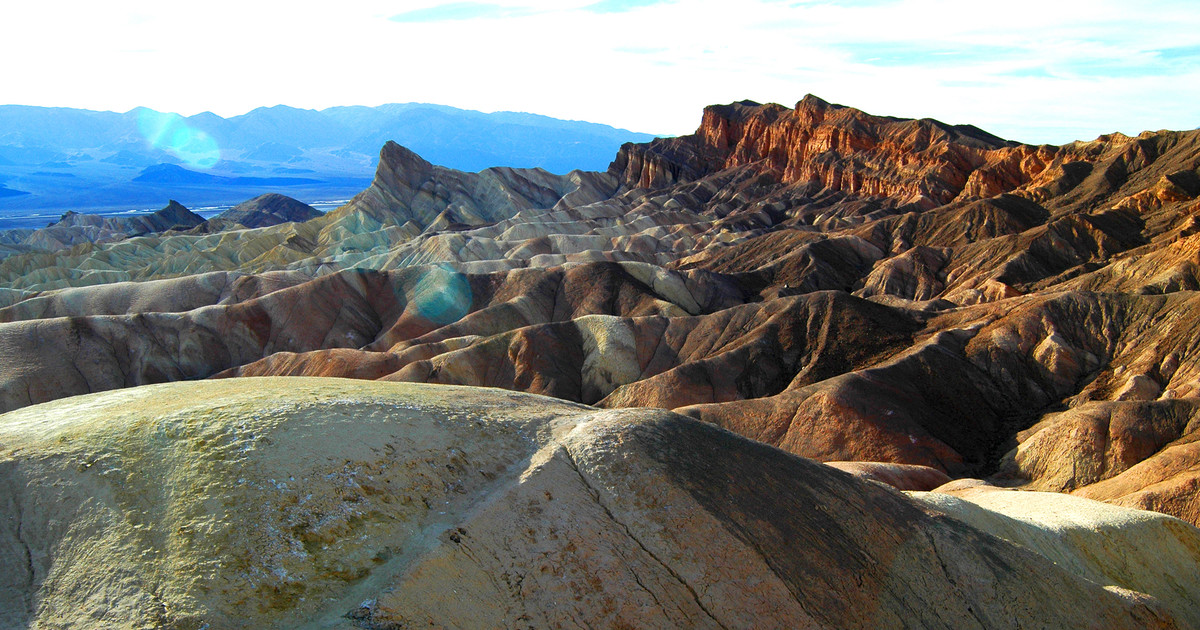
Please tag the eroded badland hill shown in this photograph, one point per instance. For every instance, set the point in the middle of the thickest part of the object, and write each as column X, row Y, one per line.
column 924, row 306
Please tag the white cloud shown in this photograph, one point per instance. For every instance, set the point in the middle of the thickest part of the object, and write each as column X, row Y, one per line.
column 1028, row 69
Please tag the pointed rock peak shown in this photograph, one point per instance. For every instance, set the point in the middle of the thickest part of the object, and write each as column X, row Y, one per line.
column 70, row 217
column 741, row 110
column 266, row 210
column 270, row 200
column 397, row 154
column 812, row 102
column 398, row 162
column 717, row 118
column 813, row 109
column 174, row 214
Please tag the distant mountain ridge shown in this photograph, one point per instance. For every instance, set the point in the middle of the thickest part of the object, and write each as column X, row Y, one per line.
column 118, row 158
column 174, row 174
column 74, row 228
column 448, row 136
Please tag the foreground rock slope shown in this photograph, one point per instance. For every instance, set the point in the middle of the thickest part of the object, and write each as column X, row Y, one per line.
column 327, row 503
column 844, row 286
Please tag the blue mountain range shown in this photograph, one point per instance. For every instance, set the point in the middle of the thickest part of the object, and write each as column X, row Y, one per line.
column 74, row 158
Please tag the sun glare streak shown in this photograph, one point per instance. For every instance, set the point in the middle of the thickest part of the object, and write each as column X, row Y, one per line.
column 171, row 133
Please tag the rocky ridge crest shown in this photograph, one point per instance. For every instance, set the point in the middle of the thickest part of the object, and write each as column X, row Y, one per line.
column 912, row 300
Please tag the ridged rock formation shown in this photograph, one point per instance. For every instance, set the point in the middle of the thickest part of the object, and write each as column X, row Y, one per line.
column 74, row 228
column 911, row 301
column 834, row 150
column 335, row 504
column 263, row 211
column 1087, row 539
column 408, row 189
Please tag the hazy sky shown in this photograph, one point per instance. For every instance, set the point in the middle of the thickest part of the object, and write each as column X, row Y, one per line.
column 1029, row 70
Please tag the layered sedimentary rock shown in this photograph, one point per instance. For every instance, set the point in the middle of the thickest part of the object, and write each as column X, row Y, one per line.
column 839, row 150
column 263, row 211
column 74, row 228
column 83, row 340
column 1138, row 453
column 844, row 286
column 263, row 503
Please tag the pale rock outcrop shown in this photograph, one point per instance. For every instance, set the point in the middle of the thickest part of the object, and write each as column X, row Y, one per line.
column 609, row 355
column 1139, row 387
column 1006, row 284
column 173, row 295
column 272, row 503
column 1105, row 544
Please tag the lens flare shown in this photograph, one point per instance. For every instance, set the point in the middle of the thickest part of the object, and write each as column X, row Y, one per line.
column 442, row 296
column 171, row 133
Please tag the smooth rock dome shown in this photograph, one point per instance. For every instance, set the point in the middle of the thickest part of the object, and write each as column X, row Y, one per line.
column 330, row 503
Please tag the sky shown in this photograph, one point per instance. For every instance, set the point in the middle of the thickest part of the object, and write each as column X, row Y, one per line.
column 1037, row 71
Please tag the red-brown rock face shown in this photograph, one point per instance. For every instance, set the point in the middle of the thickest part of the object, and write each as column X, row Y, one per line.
column 840, row 285
column 834, row 149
